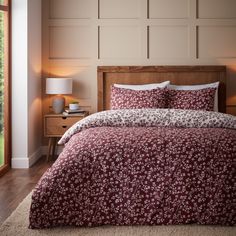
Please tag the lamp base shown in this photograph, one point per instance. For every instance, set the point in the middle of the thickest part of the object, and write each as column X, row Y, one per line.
column 58, row 104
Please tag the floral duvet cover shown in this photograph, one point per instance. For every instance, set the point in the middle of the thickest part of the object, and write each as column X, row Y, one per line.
column 141, row 167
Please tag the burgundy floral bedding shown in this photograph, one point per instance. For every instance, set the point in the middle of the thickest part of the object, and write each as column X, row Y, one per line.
column 141, row 167
column 122, row 98
column 203, row 99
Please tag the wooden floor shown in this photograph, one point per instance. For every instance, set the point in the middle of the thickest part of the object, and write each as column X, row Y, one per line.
column 15, row 185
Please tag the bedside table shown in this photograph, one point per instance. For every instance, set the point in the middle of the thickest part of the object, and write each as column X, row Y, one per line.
column 55, row 125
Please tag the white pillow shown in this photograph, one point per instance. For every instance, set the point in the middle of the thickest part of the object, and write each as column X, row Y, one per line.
column 143, row 86
column 198, row 87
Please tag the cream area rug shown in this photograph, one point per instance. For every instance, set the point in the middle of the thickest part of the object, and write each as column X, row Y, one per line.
column 17, row 225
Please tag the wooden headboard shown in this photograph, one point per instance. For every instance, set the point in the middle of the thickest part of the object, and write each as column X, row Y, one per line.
column 179, row 75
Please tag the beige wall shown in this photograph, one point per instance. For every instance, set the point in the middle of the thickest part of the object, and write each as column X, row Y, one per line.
column 26, row 82
column 79, row 35
column 34, row 76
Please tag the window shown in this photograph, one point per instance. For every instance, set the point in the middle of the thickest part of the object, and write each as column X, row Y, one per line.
column 4, row 85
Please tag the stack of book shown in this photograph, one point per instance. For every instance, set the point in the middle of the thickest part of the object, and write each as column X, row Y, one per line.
column 75, row 112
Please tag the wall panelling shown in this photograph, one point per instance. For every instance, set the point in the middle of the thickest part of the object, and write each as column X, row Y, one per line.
column 217, row 41
column 168, row 41
column 70, row 42
column 121, row 9
column 79, row 35
column 217, row 9
column 168, row 9
column 120, row 42
column 70, row 9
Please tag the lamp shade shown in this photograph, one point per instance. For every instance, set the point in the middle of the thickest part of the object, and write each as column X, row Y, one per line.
column 58, row 86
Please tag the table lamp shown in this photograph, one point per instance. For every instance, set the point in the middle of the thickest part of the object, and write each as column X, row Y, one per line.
column 58, row 86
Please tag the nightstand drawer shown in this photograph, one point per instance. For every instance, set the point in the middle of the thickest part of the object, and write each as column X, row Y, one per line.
column 56, row 126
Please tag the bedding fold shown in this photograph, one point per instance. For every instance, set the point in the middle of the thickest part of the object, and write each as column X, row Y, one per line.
column 177, row 118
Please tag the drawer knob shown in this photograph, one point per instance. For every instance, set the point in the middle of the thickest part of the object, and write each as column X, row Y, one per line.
column 64, row 117
column 64, row 126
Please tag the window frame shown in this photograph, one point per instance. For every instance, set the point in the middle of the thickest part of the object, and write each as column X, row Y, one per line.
column 7, row 88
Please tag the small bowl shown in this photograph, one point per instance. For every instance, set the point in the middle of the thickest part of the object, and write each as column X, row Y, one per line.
column 73, row 106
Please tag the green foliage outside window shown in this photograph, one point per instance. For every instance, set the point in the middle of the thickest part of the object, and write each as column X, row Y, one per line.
column 3, row 2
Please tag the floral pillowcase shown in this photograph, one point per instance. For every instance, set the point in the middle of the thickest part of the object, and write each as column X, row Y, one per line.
column 131, row 99
column 202, row 99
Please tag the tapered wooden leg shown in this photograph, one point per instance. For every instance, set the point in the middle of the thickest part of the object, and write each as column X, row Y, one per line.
column 56, row 140
column 49, row 149
column 54, row 147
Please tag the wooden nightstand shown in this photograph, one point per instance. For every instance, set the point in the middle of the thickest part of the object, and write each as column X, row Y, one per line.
column 55, row 125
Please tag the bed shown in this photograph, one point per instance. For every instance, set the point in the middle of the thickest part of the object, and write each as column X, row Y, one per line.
column 143, row 166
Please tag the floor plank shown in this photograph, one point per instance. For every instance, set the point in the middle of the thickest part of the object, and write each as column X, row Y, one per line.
column 16, row 184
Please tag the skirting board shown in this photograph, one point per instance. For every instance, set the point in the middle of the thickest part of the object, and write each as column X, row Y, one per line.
column 24, row 163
